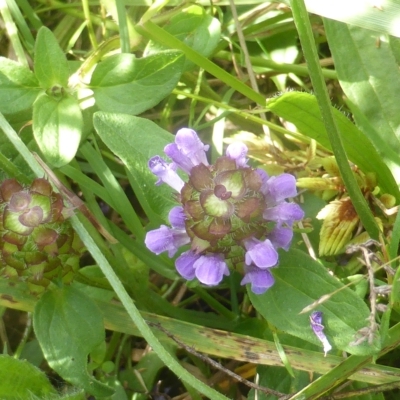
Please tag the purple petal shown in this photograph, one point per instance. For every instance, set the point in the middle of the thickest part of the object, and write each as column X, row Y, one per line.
column 191, row 146
column 262, row 254
column 165, row 173
column 261, row 279
column 281, row 187
column 281, row 237
column 210, row 269
column 177, row 217
column 166, row 239
column 182, row 161
column 185, row 264
column 318, row 329
column 238, row 151
column 284, row 213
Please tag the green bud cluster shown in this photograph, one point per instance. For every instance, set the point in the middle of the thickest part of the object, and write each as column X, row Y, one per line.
column 37, row 244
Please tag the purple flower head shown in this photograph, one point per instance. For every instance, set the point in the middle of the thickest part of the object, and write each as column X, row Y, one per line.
column 227, row 211
column 166, row 239
column 208, row 269
column 238, row 151
column 260, row 279
column 318, row 329
column 262, row 254
column 165, row 173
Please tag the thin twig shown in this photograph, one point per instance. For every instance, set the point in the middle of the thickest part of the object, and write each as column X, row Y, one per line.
column 368, row 255
column 281, row 396
column 360, row 392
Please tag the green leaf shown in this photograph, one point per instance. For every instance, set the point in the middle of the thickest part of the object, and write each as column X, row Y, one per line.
column 372, row 87
column 125, row 84
column 360, row 13
column 57, row 127
column 135, row 140
column 69, row 326
column 299, row 281
column 370, row 84
column 20, row 379
column 194, row 27
column 302, row 110
column 51, row 67
column 18, row 87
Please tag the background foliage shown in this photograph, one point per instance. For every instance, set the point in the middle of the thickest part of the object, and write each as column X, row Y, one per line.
column 97, row 88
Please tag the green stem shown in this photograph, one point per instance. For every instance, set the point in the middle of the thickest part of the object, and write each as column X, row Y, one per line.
column 278, row 68
column 303, row 25
column 92, row 35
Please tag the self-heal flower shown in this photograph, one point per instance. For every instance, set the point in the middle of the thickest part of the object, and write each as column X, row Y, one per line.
column 232, row 215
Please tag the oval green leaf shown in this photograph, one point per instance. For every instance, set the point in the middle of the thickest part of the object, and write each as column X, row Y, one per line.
column 51, row 67
column 57, row 127
column 69, row 326
column 125, row 84
column 18, row 87
column 300, row 281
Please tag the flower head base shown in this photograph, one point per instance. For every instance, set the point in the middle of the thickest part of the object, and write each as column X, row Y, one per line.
column 230, row 213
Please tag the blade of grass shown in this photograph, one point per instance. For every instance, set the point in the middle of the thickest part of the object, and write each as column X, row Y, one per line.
column 23, row 28
column 152, row 31
column 120, row 202
column 219, row 343
column 307, row 41
column 13, row 33
column 123, row 26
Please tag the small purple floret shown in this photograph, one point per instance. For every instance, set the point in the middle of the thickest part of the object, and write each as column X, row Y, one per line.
column 208, row 269
column 166, row 239
column 260, row 279
column 281, row 237
column 281, row 187
column 184, row 264
column 318, row 329
column 262, row 254
column 177, row 217
column 189, row 144
column 238, row 151
column 284, row 213
column 165, row 173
